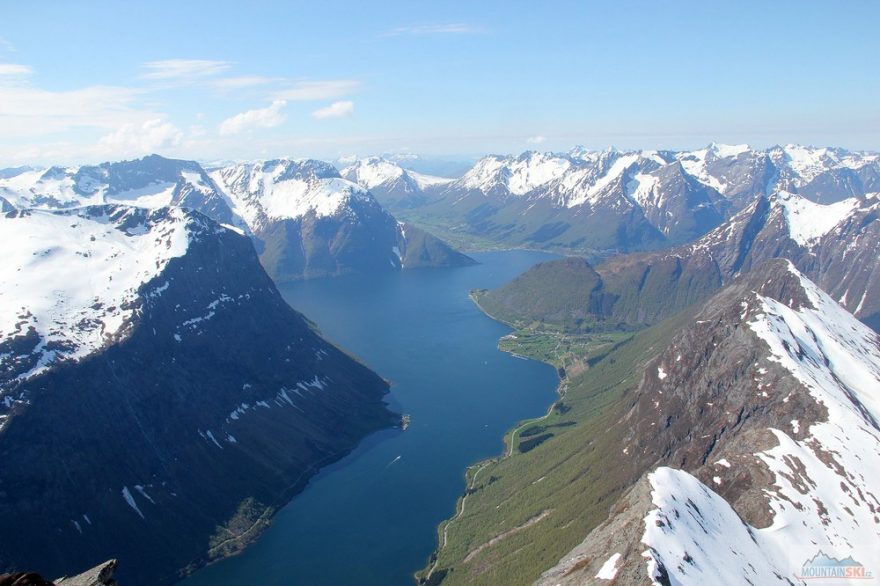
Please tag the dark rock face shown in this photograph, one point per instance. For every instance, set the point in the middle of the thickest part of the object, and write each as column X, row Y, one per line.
column 23, row 579
column 175, row 444
column 360, row 240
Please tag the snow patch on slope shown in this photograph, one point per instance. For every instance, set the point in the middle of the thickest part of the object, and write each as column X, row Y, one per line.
column 285, row 189
column 697, row 537
column 807, row 221
column 426, row 181
column 72, row 276
column 591, row 193
column 608, row 571
column 643, row 189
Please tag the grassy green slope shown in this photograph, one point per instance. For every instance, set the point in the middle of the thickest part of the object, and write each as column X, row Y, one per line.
column 525, row 510
column 624, row 293
column 562, row 294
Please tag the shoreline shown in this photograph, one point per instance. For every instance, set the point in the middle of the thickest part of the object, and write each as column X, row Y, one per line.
column 477, row 467
column 250, row 535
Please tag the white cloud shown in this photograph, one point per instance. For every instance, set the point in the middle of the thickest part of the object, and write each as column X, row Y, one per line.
column 536, row 139
column 15, row 70
column 308, row 91
column 28, row 111
column 5, row 45
column 335, row 110
column 243, row 81
column 268, row 117
column 454, row 28
column 183, row 69
column 147, row 137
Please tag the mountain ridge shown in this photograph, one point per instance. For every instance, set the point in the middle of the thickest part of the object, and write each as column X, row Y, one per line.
column 609, row 201
column 835, row 244
column 305, row 219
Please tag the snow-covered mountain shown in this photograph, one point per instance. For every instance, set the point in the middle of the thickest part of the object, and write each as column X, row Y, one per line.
column 156, row 392
column 395, row 186
column 757, row 430
column 600, row 200
column 308, row 221
column 305, row 219
column 149, row 182
column 582, row 176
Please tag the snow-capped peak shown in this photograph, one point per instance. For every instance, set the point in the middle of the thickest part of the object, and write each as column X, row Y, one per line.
column 516, row 175
column 372, row 172
column 723, row 151
column 286, row 189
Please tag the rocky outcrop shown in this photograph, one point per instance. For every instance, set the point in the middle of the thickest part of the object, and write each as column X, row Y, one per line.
column 100, row 575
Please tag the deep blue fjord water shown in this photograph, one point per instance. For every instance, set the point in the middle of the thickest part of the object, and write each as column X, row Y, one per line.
column 371, row 518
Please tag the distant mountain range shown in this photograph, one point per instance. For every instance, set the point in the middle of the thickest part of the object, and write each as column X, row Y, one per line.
column 305, row 220
column 159, row 400
column 603, row 201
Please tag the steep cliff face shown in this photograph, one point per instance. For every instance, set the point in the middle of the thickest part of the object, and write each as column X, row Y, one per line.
column 755, row 433
column 159, row 399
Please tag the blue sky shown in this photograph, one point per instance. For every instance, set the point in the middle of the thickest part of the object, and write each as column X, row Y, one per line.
column 91, row 81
